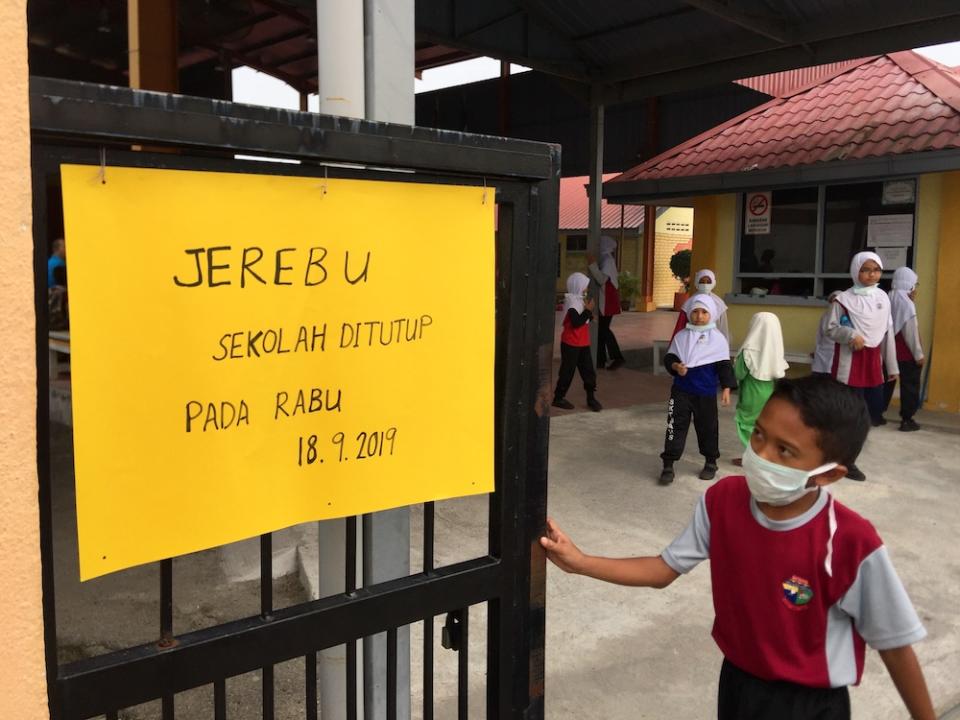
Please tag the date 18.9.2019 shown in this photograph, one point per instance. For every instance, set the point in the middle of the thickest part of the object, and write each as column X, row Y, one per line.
column 364, row 446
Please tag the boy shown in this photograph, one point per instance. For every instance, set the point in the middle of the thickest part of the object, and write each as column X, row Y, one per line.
column 799, row 581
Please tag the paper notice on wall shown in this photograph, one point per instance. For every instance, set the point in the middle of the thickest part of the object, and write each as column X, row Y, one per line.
column 890, row 231
column 892, row 257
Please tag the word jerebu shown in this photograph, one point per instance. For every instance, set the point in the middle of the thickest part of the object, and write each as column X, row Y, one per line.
column 247, row 266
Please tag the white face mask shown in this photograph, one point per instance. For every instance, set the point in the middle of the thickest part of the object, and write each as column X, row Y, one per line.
column 706, row 287
column 777, row 484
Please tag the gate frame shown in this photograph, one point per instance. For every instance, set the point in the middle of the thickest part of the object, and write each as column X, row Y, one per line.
column 77, row 122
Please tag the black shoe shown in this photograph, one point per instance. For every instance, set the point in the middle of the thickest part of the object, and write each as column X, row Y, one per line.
column 855, row 473
column 666, row 475
column 909, row 425
column 615, row 364
column 878, row 422
column 709, row 471
column 594, row 404
column 563, row 403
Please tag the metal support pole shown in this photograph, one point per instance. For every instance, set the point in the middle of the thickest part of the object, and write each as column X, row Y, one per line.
column 340, row 85
column 389, row 55
column 649, row 241
column 594, row 189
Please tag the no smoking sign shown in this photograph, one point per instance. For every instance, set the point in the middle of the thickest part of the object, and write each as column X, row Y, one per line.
column 757, row 220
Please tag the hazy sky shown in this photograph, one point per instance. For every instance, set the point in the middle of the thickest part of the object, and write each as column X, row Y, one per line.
column 250, row 86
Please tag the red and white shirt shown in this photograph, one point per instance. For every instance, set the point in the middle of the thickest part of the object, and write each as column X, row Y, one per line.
column 795, row 600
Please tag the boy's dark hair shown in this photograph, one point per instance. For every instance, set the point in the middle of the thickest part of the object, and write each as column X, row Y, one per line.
column 837, row 412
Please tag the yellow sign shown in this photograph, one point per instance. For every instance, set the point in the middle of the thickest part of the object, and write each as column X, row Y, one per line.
column 251, row 352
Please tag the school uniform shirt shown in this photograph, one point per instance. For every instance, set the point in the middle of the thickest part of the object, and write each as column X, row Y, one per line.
column 797, row 599
column 860, row 368
column 576, row 328
column 824, row 348
column 907, row 341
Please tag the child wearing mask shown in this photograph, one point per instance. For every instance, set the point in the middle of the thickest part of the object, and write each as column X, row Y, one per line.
column 575, row 344
column 699, row 360
column 859, row 324
column 704, row 282
column 909, row 350
column 800, row 583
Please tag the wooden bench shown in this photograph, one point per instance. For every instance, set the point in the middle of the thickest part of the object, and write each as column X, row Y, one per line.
column 660, row 349
column 58, row 343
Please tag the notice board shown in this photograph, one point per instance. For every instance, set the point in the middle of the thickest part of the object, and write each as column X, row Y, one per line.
column 250, row 352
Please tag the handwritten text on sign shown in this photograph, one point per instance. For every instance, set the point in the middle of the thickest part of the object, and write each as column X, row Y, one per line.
column 252, row 352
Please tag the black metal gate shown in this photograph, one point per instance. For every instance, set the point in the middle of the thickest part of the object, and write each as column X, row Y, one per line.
column 79, row 123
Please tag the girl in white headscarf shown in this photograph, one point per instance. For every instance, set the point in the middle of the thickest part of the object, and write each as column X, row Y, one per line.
column 699, row 360
column 860, row 324
column 704, row 282
column 759, row 363
column 607, row 276
column 909, row 349
column 575, row 344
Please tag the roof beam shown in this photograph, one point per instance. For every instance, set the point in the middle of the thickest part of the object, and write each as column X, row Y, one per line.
column 928, row 32
column 768, row 27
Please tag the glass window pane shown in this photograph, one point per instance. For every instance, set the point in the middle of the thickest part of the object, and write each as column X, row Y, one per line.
column 790, row 247
column 847, row 214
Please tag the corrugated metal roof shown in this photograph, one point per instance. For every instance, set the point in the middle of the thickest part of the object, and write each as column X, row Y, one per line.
column 782, row 84
column 887, row 105
column 574, row 207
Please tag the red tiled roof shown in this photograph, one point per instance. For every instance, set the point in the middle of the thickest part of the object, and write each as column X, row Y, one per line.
column 885, row 105
column 574, row 207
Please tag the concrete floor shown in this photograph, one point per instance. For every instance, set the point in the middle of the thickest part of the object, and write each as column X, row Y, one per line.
column 616, row 652
column 611, row 652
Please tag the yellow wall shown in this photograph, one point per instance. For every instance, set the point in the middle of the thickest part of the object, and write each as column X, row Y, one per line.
column 673, row 228
column 944, row 389
column 937, row 251
column 23, row 693
column 714, row 228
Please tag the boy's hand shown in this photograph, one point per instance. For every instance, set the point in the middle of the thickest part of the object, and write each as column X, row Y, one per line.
column 680, row 369
column 561, row 551
column 921, row 361
column 725, row 397
column 857, row 343
column 589, row 303
column 892, row 378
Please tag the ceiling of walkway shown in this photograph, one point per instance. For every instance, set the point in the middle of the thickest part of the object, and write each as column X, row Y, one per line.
column 628, row 48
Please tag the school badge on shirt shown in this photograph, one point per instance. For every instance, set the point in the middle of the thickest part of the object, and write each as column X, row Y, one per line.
column 797, row 593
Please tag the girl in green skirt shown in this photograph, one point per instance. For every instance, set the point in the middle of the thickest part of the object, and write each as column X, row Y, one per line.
column 759, row 363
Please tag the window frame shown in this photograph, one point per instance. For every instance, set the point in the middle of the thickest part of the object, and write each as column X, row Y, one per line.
column 817, row 275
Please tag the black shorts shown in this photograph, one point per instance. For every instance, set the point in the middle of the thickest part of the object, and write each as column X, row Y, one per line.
column 746, row 697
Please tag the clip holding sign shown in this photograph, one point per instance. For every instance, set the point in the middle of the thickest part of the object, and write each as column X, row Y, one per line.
column 103, row 165
column 323, row 188
column 483, row 199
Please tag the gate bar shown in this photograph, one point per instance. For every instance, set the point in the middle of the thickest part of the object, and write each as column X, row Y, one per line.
column 108, row 114
column 135, row 675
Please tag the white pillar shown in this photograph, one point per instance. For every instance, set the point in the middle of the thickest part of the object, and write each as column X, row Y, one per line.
column 340, row 52
column 340, row 80
column 366, row 70
column 389, row 55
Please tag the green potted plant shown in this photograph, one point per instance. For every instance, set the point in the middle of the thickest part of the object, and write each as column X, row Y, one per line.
column 680, row 267
column 629, row 284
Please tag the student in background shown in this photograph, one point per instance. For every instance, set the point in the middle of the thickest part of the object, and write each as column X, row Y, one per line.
column 824, row 348
column 575, row 344
column 909, row 349
column 860, row 325
column 699, row 360
column 759, row 363
column 607, row 276
column 704, row 282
